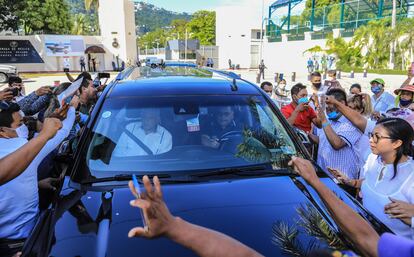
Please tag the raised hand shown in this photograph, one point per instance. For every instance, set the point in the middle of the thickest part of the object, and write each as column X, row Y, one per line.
column 157, row 216
column 50, row 127
column 43, row 91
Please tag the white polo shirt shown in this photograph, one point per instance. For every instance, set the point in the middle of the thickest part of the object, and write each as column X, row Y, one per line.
column 158, row 142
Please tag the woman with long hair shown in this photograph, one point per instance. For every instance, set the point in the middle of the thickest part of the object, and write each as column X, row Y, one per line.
column 387, row 181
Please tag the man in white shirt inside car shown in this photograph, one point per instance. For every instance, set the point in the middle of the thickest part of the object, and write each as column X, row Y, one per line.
column 147, row 137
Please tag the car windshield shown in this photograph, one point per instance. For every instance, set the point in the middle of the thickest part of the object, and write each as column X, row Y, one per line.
column 159, row 71
column 185, row 133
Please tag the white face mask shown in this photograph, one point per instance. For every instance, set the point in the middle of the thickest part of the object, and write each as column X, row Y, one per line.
column 22, row 132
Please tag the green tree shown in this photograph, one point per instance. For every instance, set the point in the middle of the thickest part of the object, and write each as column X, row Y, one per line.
column 178, row 28
column 89, row 4
column 8, row 14
column 48, row 16
column 57, row 17
column 203, row 27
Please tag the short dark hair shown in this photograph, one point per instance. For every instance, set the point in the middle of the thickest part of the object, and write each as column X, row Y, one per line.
column 265, row 83
column 14, row 79
column 86, row 76
column 332, row 72
column 297, row 88
column 338, row 93
column 356, row 85
column 6, row 115
column 316, row 74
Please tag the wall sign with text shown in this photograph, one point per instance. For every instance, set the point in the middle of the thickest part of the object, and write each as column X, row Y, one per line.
column 18, row 51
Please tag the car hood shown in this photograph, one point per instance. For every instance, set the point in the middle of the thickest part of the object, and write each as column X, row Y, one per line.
column 249, row 210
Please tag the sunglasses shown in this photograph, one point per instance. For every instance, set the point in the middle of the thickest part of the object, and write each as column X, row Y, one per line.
column 376, row 138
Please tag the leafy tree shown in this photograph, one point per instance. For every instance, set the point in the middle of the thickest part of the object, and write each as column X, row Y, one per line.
column 203, row 27
column 57, row 17
column 8, row 14
column 89, row 4
column 178, row 28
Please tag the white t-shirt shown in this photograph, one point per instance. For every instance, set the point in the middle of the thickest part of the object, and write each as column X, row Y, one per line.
column 376, row 192
column 158, row 142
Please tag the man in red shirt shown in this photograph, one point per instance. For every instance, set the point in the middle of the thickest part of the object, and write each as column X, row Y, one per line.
column 298, row 113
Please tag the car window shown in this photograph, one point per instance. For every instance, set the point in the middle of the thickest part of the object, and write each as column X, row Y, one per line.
column 191, row 133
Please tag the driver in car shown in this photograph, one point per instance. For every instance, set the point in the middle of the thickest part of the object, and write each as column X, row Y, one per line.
column 223, row 123
column 147, row 137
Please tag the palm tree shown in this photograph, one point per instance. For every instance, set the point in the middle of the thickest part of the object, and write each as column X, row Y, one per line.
column 91, row 3
column 79, row 24
column 393, row 24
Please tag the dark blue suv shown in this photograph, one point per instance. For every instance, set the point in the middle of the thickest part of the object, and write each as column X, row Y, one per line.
column 220, row 148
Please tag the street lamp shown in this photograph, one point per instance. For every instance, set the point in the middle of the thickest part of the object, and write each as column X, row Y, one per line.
column 186, row 44
column 261, row 40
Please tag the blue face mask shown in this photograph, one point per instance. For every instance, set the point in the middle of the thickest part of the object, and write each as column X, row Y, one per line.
column 405, row 102
column 303, row 100
column 333, row 115
column 376, row 89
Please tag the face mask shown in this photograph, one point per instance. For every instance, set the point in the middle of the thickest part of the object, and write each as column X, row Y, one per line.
column 22, row 132
column 269, row 94
column 303, row 100
column 317, row 85
column 376, row 89
column 333, row 115
column 405, row 102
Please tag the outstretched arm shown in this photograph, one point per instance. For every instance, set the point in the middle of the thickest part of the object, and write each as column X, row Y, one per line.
column 15, row 163
column 204, row 242
column 354, row 226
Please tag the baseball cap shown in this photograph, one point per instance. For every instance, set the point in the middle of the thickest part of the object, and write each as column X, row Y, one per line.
column 378, row 80
column 390, row 245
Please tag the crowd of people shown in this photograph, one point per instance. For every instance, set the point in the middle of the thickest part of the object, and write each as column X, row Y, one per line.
column 364, row 141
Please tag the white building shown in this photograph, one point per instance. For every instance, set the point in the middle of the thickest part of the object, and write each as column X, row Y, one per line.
column 238, row 38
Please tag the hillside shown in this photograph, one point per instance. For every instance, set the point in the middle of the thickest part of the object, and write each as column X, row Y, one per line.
column 149, row 17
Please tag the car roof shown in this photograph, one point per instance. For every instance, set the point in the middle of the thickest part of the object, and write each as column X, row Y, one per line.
column 182, row 85
column 180, row 64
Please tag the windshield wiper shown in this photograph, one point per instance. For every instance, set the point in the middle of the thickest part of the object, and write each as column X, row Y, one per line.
column 247, row 171
column 164, row 178
column 121, row 177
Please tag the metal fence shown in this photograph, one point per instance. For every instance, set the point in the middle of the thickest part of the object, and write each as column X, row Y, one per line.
column 346, row 15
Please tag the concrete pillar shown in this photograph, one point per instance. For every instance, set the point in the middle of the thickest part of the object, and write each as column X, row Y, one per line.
column 117, row 25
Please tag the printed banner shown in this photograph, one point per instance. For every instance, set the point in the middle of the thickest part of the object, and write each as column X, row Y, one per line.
column 18, row 51
column 64, row 46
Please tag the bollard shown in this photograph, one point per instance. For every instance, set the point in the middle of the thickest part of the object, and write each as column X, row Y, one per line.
column 293, row 76
column 352, row 75
column 276, row 76
column 258, row 78
column 365, row 73
column 339, row 74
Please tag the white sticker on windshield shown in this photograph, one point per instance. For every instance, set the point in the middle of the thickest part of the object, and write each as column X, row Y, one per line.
column 193, row 125
column 106, row 114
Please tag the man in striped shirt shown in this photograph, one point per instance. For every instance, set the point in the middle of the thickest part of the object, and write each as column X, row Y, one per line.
column 337, row 139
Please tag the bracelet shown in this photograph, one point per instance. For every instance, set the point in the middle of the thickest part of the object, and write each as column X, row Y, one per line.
column 324, row 125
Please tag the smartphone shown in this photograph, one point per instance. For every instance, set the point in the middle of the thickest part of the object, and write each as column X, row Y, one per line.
column 14, row 90
column 104, row 75
column 137, row 188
